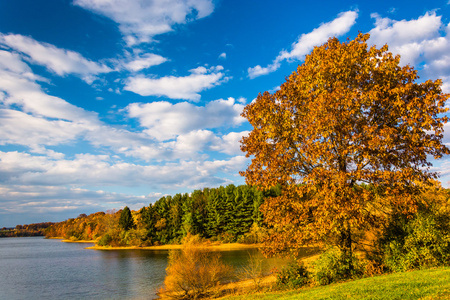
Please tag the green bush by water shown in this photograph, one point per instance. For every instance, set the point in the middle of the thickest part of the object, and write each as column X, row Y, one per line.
column 333, row 265
column 293, row 275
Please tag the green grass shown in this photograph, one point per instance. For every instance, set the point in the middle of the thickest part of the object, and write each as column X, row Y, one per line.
column 422, row 284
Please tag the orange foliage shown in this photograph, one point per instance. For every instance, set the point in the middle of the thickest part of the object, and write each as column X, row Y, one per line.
column 349, row 115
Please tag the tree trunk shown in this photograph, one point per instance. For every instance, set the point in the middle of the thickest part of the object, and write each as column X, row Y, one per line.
column 346, row 248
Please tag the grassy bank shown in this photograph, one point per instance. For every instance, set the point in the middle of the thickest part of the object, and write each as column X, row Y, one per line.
column 422, row 284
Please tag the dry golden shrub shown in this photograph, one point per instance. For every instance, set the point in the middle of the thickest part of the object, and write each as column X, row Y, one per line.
column 194, row 271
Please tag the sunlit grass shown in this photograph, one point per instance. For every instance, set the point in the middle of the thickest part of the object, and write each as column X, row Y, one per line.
column 423, row 284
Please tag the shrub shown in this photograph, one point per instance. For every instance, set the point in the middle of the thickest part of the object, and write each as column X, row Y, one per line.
column 193, row 271
column 333, row 265
column 255, row 235
column 419, row 242
column 293, row 275
column 105, row 240
column 132, row 237
column 226, row 237
column 253, row 269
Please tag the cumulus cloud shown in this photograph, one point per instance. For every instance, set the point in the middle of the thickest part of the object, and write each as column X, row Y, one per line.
column 39, row 131
column 195, row 142
column 12, row 62
column 144, row 61
column 32, row 118
column 230, row 143
column 423, row 42
column 140, row 20
column 446, row 138
column 17, row 168
column 164, row 121
column 19, row 86
column 306, row 42
column 411, row 39
column 59, row 61
column 32, row 204
column 44, row 121
column 187, row 87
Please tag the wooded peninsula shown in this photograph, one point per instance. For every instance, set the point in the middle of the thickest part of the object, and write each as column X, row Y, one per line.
column 227, row 214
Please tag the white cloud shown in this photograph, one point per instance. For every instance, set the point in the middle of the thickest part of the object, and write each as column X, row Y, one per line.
column 38, row 131
column 19, row 86
column 40, row 203
column 46, row 120
column 306, row 42
column 18, row 168
column 198, row 141
column 230, row 143
column 144, row 61
column 187, row 87
column 141, row 20
column 423, row 42
column 260, row 71
column 411, row 39
column 194, row 141
column 50, row 121
column 164, row 121
column 232, row 166
column 12, row 62
column 446, row 138
column 223, row 55
column 59, row 61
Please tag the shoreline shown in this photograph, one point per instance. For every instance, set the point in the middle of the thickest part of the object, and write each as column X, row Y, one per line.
column 211, row 246
column 218, row 247
column 64, row 240
column 80, row 241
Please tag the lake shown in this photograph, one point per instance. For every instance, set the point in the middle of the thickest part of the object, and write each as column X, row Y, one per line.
column 38, row 268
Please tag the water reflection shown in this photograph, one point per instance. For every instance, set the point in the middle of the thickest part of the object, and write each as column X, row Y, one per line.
column 35, row 268
column 133, row 273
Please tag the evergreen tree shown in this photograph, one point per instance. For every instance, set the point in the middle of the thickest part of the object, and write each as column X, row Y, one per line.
column 244, row 210
column 148, row 216
column 215, row 211
column 126, row 221
column 199, row 213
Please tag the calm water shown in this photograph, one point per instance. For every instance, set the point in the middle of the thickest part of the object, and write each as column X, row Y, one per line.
column 36, row 268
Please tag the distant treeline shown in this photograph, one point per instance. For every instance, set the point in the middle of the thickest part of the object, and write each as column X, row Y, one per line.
column 36, row 229
column 228, row 214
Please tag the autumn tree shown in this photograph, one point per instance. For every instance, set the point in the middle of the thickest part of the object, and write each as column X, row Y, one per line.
column 347, row 138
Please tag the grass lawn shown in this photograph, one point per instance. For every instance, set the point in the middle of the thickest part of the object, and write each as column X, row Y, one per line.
column 423, row 284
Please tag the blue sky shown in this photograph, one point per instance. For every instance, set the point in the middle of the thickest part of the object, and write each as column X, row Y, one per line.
column 107, row 103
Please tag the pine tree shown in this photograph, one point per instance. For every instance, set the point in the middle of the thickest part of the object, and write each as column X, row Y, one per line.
column 126, row 221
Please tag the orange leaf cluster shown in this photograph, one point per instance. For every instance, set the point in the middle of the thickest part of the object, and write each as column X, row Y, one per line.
column 347, row 137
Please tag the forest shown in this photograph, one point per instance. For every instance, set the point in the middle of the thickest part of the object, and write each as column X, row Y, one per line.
column 35, row 229
column 227, row 214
